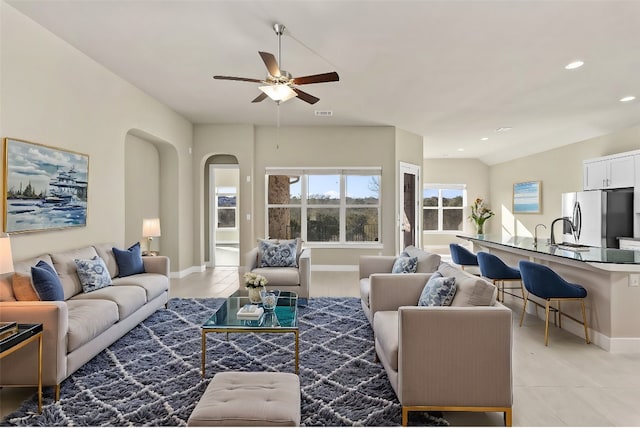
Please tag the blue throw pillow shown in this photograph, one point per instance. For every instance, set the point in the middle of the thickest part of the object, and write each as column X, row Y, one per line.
column 93, row 274
column 438, row 291
column 405, row 265
column 129, row 261
column 281, row 254
column 47, row 282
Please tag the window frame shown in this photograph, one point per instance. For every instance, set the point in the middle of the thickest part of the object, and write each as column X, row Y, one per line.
column 341, row 204
column 218, row 208
column 441, row 187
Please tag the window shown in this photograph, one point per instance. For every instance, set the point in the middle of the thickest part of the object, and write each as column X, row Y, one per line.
column 324, row 206
column 226, row 207
column 443, row 206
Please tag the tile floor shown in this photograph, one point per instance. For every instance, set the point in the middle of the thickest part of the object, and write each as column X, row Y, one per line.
column 568, row 383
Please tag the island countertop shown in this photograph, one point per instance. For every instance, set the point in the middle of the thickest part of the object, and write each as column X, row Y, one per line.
column 583, row 254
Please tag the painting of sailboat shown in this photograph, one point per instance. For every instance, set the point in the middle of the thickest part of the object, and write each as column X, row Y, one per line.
column 44, row 187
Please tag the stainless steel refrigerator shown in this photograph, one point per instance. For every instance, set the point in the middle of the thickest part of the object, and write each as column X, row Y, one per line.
column 599, row 217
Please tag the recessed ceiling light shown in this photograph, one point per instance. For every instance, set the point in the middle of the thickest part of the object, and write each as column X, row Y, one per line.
column 628, row 98
column 573, row 65
column 504, row 129
column 484, row 138
column 461, row 149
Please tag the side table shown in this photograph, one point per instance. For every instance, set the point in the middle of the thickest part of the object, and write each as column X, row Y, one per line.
column 25, row 334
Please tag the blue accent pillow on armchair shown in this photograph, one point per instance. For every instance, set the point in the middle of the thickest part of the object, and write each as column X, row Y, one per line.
column 405, row 265
column 282, row 254
column 47, row 282
column 438, row 291
column 129, row 261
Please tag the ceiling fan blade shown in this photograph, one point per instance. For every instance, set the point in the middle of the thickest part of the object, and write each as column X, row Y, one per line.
column 271, row 63
column 306, row 97
column 241, row 79
column 316, row 78
column 259, row 98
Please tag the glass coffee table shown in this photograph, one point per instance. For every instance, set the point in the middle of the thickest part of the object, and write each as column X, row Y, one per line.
column 282, row 319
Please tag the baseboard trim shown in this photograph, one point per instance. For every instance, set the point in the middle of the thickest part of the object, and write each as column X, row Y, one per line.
column 334, row 268
column 185, row 272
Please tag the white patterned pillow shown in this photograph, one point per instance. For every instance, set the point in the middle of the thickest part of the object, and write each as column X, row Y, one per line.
column 438, row 291
column 281, row 254
column 405, row 265
column 93, row 274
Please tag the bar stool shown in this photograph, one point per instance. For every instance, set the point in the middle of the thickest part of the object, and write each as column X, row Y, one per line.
column 461, row 256
column 498, row 272
column 546, row 284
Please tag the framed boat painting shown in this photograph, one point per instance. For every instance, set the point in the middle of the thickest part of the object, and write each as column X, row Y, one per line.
column 44, row 187
column 527, row 198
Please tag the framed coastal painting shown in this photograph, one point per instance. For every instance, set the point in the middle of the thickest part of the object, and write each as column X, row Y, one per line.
column 44, row 187
column 527, row 197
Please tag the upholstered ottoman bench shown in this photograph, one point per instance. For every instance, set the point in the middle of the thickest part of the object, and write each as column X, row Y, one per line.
column 249, row 399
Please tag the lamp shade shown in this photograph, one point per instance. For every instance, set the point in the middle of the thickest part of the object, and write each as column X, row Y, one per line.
column 150, row 227
column 279, row 92
column 6, row 258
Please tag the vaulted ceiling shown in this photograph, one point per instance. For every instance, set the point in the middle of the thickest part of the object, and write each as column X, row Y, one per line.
column 453, row 72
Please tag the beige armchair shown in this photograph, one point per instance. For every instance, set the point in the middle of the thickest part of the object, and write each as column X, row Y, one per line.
column 294, row 279
column 441, row 358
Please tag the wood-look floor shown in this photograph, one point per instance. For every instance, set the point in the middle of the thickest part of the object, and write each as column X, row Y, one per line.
column 568, row 383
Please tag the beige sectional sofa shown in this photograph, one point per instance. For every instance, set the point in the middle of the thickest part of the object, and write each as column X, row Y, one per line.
column 84, row 324
column 443, row 358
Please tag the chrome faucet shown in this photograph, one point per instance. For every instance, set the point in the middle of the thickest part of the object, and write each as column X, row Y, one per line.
column 565, row 220
column 535, row 234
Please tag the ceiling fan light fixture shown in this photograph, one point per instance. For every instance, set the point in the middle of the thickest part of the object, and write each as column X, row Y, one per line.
column 279, row 92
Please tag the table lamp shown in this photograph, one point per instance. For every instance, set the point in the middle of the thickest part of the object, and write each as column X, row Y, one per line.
column 6, row 259
column 150, row 229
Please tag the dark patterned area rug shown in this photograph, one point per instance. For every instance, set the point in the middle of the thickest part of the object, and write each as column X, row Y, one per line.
column 151, row 376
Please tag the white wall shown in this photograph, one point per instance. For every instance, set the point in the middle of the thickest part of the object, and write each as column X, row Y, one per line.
column 55, row 95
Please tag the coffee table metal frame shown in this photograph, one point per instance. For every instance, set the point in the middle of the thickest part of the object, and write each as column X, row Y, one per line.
column 26, row 334
column 291, row 297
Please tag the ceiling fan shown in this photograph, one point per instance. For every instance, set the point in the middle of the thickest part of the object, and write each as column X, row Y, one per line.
column 279, row 85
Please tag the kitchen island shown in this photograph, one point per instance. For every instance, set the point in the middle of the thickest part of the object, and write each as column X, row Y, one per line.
column 611, row 277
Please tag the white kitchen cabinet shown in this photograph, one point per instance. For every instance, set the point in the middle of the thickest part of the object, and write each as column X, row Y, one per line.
column 612, row 172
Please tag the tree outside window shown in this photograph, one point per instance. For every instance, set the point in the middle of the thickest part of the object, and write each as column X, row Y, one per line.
column 325, row 207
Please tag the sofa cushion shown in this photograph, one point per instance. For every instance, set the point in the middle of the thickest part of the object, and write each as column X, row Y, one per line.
column 23, row 289
column 282, row 254
column 154, row 284
column 129, row 261
column 87, row 319
column 280, row 275
column 405, row 265
column 65, row 265
column 105, row 251
column 385, row 325
column 475, row 292
column 427, row 262
column 93, row 274
column 438, row 291
column 46, row 282
column 128, row 298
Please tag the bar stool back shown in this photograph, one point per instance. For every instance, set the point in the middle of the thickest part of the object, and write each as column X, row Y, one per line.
column 492, row 267
column 461, row 256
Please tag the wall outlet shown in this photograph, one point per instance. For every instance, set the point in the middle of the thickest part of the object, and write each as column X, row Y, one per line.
column 634, row 280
